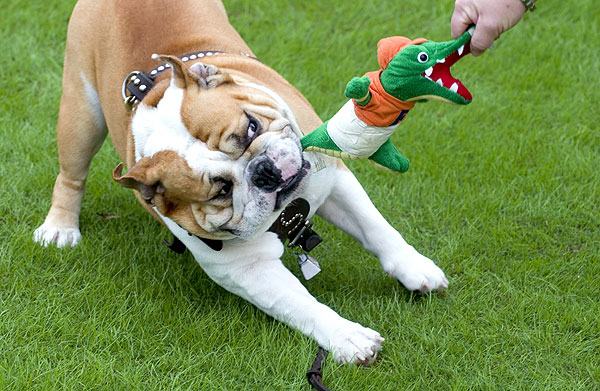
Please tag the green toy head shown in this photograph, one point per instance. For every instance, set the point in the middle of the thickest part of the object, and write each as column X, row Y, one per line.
column 421, row 71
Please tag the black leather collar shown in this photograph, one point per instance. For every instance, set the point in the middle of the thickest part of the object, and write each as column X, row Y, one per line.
column 291, row 220
column 178, row 246
column 292, row 224
column 137, row 84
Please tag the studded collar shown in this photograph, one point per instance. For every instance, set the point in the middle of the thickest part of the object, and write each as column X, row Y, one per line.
column 137, row 84
column 292, row 224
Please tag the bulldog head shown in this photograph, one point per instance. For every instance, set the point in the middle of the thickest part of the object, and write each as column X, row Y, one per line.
column 217, row 154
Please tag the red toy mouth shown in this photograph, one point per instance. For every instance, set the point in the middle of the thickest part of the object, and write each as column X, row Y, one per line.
column 440, row 73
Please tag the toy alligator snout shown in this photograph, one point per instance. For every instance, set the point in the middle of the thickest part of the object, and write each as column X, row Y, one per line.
column 422, row 71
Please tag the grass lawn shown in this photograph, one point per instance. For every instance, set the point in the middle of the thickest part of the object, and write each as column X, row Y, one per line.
column 503, row 194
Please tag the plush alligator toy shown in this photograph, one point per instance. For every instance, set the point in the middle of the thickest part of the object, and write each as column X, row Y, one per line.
column 412, row 71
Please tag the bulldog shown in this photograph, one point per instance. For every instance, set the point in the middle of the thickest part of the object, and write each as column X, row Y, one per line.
column 211, row 146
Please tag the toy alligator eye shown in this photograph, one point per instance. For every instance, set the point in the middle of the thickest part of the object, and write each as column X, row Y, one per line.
column 423, row 57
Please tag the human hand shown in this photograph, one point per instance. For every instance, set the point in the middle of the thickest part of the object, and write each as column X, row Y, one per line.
column 491, row 17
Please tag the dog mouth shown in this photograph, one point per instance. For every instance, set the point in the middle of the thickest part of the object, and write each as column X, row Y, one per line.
column 441, row 75
column 289, row 186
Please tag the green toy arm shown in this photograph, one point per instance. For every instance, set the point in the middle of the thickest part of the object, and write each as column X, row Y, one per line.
column 319, row 140
column 358, row 89
column 388, row 156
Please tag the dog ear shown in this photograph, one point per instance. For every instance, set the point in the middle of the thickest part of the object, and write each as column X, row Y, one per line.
column 181, row 76
column 199, row 74
column 209, row 76
column 140, row 177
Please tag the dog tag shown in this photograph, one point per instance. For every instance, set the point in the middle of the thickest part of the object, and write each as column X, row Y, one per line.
column 308, row 265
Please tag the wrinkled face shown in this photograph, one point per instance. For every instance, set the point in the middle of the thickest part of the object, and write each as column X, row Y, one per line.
column 217, row 154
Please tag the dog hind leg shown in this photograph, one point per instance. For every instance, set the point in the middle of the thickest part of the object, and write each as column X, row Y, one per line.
column 350, row 209
column 81, row 131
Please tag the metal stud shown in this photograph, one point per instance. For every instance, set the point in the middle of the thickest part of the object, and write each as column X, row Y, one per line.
column 136, row 81
column 154, row 72
column 193, row 57
column 185, row 59
column 161, row 68
column 143, row 87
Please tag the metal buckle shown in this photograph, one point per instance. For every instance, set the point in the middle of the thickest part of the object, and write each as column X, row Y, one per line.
column 129, row 100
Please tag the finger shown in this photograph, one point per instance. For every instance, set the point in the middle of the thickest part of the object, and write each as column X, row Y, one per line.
column 483, row 38
column 465, row 14
column 459, row 23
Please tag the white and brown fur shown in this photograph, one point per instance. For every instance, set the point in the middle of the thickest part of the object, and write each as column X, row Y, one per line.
column 191, row 137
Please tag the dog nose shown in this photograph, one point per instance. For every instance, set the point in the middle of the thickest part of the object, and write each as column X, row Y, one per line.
column 267, row 176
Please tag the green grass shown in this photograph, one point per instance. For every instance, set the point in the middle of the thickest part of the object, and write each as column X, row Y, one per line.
column 503, row 194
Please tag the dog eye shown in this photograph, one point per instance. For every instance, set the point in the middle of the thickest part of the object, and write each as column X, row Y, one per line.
column 253, row 128
column 423, row 57
column 226, row 190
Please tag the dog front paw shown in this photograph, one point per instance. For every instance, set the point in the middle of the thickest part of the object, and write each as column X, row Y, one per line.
column 353, row 343
column 49, row 234
column 416, row 272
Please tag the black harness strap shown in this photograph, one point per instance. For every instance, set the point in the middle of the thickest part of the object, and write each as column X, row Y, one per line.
column 176, row 245
column 292, row 224
column 137, row 84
